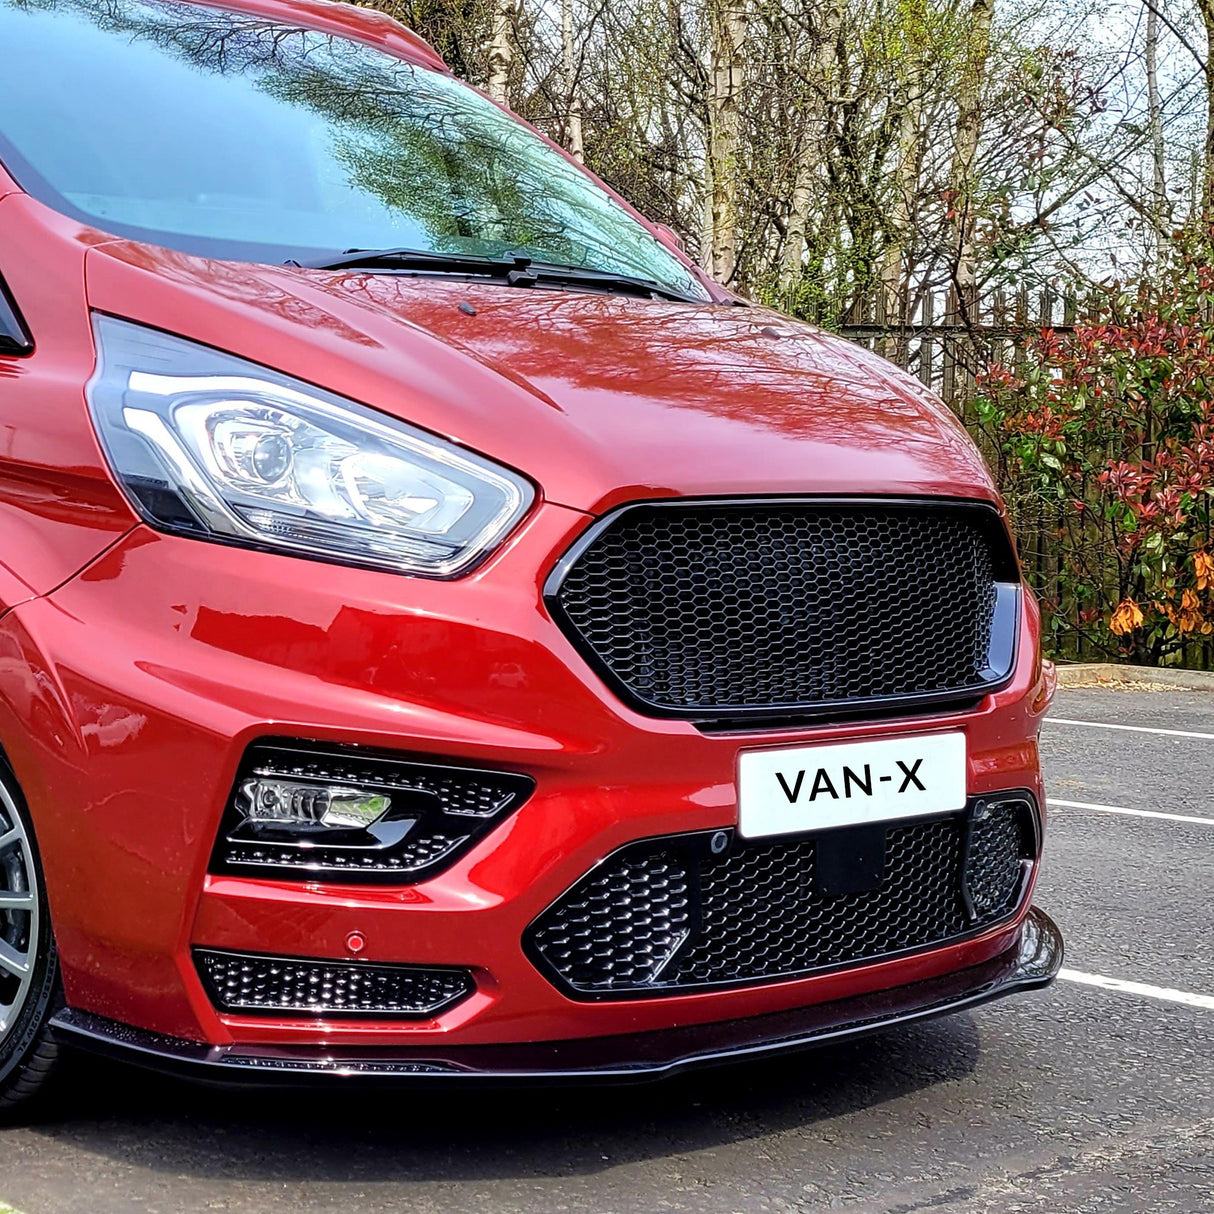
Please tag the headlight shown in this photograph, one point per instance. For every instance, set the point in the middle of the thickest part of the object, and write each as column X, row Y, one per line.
column 208, row 445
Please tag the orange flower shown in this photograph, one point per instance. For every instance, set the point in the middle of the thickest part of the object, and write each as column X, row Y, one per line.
column 1126, row 618
column 1203, row 563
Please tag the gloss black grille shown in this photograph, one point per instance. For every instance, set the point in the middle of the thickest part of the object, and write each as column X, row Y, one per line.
column 716, row 609
column 251, row 982
column 667, row 914
column 994, row 867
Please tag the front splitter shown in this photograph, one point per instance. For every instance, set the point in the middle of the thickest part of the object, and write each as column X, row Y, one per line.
column 1033, row 962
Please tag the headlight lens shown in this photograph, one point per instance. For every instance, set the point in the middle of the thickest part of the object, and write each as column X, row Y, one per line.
column 208, row 445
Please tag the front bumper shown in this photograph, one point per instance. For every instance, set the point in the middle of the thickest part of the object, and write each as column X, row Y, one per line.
column 1032, row 962
column 127, row 751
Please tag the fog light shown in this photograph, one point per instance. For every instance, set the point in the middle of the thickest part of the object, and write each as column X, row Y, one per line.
column 293, row 803
column 311, row 812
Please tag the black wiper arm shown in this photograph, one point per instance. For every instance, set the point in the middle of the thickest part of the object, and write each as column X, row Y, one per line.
column 608, row 280
column 514, row 268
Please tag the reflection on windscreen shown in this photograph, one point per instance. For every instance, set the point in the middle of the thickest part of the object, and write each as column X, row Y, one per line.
column 237, row 136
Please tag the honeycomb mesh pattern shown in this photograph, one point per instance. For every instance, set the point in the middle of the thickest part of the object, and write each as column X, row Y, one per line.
column 621, row 929
column 919, row 903
column 663, row 915
column 724, row 607
column 247, row 982
column 996, row 849
column 421, row 853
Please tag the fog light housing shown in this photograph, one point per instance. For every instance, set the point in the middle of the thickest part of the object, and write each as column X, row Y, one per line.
column 342, row 814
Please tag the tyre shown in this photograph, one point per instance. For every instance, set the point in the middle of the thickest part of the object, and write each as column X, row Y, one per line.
column 29, row 967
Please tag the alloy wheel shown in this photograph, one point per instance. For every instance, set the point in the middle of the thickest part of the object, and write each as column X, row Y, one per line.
column 19, row 915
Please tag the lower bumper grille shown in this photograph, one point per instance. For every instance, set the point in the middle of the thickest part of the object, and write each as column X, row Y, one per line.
column 251, row 982
column 667, row 915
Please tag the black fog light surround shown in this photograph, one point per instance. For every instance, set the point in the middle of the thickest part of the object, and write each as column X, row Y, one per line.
column 310, row 812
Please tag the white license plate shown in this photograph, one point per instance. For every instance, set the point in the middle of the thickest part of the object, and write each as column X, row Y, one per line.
column 803, row 788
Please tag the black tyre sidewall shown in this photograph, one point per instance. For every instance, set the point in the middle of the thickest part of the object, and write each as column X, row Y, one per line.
column 40, row 1001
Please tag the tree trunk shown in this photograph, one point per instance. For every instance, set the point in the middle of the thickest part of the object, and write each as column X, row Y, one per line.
column 501, row 49
column 1159, row 195
column 975, row 54
column 1206, row 8
column 573, row 100
column 814, row 145
column 895, row 284
column 724, row 132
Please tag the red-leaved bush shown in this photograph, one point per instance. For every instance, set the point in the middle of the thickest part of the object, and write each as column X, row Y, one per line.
column 1104, row 438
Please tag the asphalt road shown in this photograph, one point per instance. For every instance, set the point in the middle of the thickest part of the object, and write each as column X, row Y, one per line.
column 1077, row 1098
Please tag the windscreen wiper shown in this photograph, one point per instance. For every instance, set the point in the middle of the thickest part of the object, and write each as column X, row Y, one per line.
column 514, row 269
column 610, row 281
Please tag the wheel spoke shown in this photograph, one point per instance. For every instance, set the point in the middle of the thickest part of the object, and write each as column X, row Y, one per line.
column 18, row 896
column 15, row 963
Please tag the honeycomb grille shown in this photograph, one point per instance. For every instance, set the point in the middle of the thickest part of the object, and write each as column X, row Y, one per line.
column 719, row 608
column 423, row 853
column 994, row 867
column 249, row 982
column 666, row 915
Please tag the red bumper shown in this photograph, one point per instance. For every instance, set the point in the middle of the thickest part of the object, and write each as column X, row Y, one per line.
column 1032, row 962
column 144, row 679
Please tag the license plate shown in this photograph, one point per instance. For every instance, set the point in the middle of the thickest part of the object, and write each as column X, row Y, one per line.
column 804, row 788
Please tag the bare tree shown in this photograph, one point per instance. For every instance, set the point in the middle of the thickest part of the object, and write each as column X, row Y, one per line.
column 1206, row 9
column 728, row 20
column 967, row 132
column 569, row 72
column 1159, row 191
column 826, row 155
column 812, row 149
column 913, row 46
column 501, row 48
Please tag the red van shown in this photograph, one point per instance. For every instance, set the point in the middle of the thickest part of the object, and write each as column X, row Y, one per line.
column 444, row 635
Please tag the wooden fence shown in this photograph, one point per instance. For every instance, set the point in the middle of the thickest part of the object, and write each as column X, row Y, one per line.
column 945, row 345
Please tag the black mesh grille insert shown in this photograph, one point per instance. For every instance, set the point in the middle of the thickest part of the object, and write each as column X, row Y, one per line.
column 993, row 870
column 250, row 982
column 717, row 608
column 667, row 914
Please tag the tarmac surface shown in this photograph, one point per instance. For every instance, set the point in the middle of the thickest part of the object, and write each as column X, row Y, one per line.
column 1083, row 1097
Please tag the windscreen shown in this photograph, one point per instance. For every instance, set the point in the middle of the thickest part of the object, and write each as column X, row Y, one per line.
column 238, row 136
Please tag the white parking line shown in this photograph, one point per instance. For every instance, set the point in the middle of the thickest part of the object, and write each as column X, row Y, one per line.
column 1133, row 813
column 1175, row 733
column 1139, row 988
